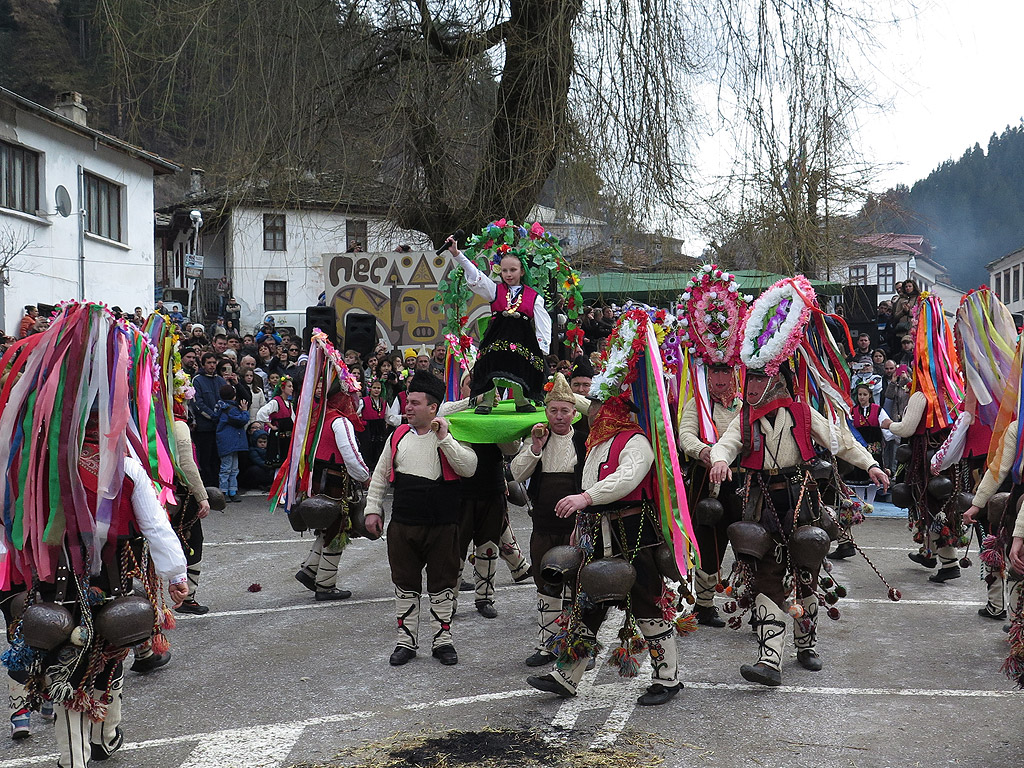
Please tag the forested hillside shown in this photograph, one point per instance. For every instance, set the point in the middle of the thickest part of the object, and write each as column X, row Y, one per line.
column 971, row 209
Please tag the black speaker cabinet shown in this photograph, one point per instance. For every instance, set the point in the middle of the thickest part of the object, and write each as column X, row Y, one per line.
column 323, row 318
column 360, row 334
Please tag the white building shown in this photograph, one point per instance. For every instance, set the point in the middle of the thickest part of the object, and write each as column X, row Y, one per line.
column 76, row 210
column 1005, row 276
column 888, row 259
column 273, row 253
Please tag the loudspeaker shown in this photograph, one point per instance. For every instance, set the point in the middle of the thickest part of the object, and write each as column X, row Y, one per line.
column 860, row 304
column 323, row 318
column 360, row 333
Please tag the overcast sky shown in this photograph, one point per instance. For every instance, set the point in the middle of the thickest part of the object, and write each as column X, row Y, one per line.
column 957, row 76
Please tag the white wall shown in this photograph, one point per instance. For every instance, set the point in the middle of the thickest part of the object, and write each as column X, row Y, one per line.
column 840, row 273
column 308, row 236
column 48, row 272
column 1006, row 267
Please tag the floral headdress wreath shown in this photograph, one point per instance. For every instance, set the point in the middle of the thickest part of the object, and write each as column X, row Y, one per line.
column 618, row 368
column 345, row 378
column 165, row 338
column 775, row 324
column 711, row 312
column 541, row 257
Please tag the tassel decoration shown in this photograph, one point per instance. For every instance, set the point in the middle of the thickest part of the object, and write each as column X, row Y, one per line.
column 160, row 644
column 686, row 625
column 628, row 665
column 168, row 621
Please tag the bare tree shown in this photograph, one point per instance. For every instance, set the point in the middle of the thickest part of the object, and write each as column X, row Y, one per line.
column 452, row 113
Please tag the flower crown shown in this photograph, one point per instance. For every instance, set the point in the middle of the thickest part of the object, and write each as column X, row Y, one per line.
column 627, row 342
column 711, row 312
column 775, row 324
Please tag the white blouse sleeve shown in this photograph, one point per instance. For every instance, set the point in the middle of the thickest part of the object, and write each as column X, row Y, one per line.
column 267, row 411
column 542, row 322
column 393, row 416
column 477, row 281
column 168, row 557
column 345, row 439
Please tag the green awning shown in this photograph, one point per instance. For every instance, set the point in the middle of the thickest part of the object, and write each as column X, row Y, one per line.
column 660, row 288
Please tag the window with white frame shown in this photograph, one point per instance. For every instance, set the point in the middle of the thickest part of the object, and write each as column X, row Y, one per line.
column 859, row 274
column 886, row 279
column 19, row 178
column 102, row 207
column 998, row 285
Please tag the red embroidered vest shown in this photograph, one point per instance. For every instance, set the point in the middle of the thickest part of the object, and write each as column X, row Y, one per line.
column 88, row 471
column 284, row 410
column 801, row 433
column 369, row 412
column 871, row 420
column 978, row 438
column 645, row 489
column 327, row 446
column 500, row 303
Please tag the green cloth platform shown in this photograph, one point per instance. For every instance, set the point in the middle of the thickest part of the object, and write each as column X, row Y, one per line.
column 502, row 425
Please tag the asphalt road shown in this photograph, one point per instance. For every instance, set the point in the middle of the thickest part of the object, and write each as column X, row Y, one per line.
column 271, row 678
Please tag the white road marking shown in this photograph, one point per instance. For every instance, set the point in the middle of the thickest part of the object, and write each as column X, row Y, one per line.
column 256, row 746
column 257, row 543
column 264, row 734
column 374, row 600
column 259, row 747
column 803, row 689
column 620, row 697
column 322, row 604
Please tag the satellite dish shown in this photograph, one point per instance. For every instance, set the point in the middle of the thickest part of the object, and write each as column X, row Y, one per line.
column 63, row 201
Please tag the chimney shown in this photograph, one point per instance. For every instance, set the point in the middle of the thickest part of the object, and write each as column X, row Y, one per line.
column 196, row 186
column 70, row 105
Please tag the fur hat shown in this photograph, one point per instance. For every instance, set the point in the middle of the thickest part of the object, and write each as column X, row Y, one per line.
column 428, row 384
column 581, row 367
column 559, row 391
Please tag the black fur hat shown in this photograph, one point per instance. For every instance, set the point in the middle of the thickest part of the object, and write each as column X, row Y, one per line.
column 428, row 384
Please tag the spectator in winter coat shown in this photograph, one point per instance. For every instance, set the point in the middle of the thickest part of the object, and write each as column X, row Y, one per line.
column 204, row 410
column 259, row 473
column 232, row 416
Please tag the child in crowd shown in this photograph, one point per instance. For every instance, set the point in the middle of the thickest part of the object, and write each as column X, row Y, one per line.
column 233, row 415
column 260, row 473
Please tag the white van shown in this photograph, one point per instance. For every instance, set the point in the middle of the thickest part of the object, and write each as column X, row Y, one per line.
column 291, row 320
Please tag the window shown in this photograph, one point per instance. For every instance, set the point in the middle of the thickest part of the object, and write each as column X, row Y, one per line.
column 273, row 232
column 859, row 274
column 19, row 178
column 275, row 295
column 886, row 279
column 102, row 207
column 355, row 234
column 1016, row 284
